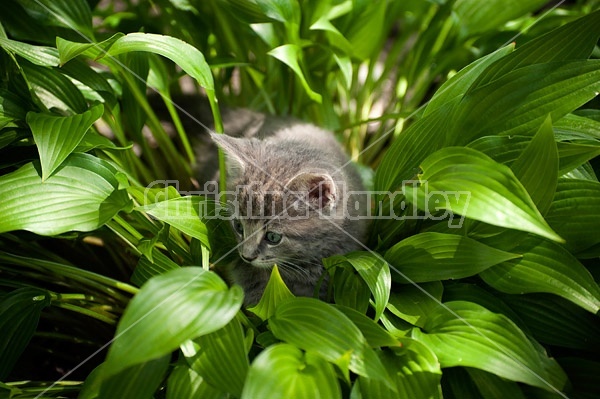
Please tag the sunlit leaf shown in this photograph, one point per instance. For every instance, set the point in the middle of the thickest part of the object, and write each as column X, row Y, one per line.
column 276, row 292
column 186, row 383
column 290, row 55
column 437, row 256
column 545, row 267
column 468, row 335
column 492, row 192
column 284, row 371
column 57, row 136
column 170, row 309
column 53, row 206
column 183, row 213
column 38, row 55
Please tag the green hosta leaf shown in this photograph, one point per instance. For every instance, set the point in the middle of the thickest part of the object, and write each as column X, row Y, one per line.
column 317, row 327
column 82, row 195
column 170, row 309
column 518, row 102
column 370, row 29
column 284, row 371
column 414, row 303
column 545, row 267
column 438, row 256
column 458, row 84
column 19, row 315
column 182, row 213
column 68, row 50
column 468, row 335
column 186, row 383
column 148, row 268
column 572, row 41
column 374, row 271
column 415, row 371
column 496, row 195
column 53, row 89
column 276, row 292
column 57, row 136
column 575, row 214
column 183, row 54
column 492, row 386
column 99, row 90
column 290, row 55
column 375, row 335
column 476, row 17
column 38, row 55
column 574, row 127
column 221, row 358
column 349, row 289
column 537, row 167
column 556, row 321
column 286, row 11
column 12, row 106
column 138, row 381
column 72, row 14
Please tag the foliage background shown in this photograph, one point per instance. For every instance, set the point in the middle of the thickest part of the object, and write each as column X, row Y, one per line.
column 80, row 234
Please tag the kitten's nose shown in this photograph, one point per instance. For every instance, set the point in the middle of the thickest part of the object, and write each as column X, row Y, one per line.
column 248, row 257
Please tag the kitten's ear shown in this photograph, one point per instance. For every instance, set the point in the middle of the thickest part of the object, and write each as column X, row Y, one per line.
column 233, row 149
column 319, row 186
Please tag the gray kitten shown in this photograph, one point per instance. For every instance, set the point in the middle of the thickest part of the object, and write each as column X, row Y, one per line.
column 290, row 186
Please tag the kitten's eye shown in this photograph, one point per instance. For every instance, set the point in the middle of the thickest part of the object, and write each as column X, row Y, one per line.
column 273, row 238
column 237, row 226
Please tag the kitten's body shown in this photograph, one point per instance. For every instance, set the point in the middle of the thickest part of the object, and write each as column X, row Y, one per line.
column 267, row 161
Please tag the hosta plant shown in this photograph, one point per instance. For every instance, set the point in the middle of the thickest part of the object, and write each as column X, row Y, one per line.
column 477, row 128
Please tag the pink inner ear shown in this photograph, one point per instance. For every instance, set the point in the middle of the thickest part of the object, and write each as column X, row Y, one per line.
column 321, row 191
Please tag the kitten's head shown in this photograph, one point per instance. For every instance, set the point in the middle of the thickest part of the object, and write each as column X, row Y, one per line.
column 278, row 203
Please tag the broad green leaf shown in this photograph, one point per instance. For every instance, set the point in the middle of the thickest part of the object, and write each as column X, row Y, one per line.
column 572, row 41
column 495, row 195
column 72, row 14
column 38, row 55
column 366, row 35
column 575, row 213
column 186, row 383
column 99, row 90
column 476, row 17
column 492, row 386
column 458, row 84
column 374, row 271
column 20, row 312
column 57, row 136
column 138, row 381
column 537, row 167
column 286, row 11
column 438, row 256
column 82, row 195
column 53, row 89
column 349, row 289
column 221, row 358
column 414, row 303
column 68, row 50
column 284, row 371
column 415, row 371
column 11, row 105
column 276, row 292
column 291, row 55
column 183, row 213
column 556, row 321
column 518, row 102
column 468, row 335
column 183, row 54
column 375, row 335
column 335, row 37
column 170, row 309
column 572, row 127
column 401, row 161
column 148, row 268
column 545, row 267
column 317, row 327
